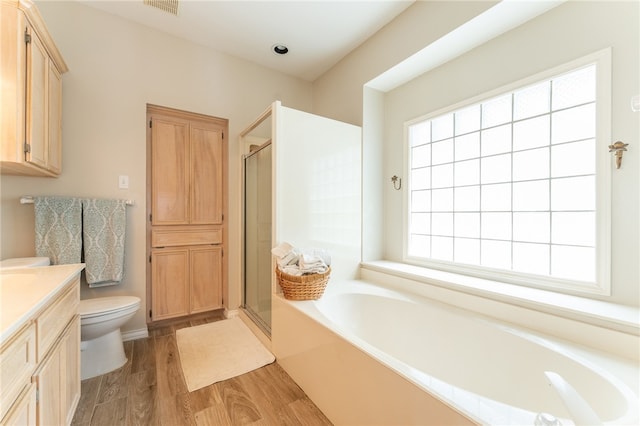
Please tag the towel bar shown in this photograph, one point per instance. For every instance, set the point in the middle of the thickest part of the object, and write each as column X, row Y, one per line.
column 28, row 199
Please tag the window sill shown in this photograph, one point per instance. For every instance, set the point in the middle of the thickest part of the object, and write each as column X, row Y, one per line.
column 625, row 319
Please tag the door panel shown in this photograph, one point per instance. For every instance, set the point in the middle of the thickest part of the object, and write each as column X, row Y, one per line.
column 37, row 72
column 206, row 279
column 170, row 172
column 170, row 274
column 206, row 175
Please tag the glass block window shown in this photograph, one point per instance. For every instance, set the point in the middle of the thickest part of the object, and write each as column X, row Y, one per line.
column 509, row 183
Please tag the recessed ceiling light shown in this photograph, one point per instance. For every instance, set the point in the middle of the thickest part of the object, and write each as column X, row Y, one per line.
column 280, row 49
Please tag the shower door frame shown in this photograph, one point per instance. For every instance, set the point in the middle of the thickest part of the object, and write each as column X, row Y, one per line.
column 253, row 315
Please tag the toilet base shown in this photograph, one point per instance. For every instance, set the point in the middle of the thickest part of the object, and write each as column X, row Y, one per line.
column 101, row 355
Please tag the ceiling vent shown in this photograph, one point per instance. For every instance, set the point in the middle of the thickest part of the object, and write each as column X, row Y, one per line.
column 170, row 6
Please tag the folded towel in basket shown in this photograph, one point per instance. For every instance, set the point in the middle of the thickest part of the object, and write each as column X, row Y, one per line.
column 292, row 261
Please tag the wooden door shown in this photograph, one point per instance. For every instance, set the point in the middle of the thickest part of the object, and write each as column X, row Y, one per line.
column 206, row 174
column 170, row 272
column 169, row 171
column 70, row 369
column 206, row 278
column 23, row 413
column 54, row 134
column 37, row 98
column 48, row 379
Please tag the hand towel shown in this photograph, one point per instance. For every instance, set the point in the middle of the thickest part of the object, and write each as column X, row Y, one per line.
column 58, row 228
column 104, row 226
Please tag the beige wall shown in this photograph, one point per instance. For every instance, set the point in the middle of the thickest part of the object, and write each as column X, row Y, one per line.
column 570, row 31
column 338, row 93
column 564, row 33
column 115, row 69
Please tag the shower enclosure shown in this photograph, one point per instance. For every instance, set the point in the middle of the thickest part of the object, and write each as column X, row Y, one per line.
column 257, row 236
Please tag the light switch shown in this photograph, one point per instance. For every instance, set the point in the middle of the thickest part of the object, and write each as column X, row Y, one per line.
column 123, row 182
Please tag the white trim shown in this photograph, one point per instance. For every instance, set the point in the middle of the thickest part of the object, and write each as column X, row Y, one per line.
column 231, row 313
column 606, row 326
column 602, row 285
column 141, row 333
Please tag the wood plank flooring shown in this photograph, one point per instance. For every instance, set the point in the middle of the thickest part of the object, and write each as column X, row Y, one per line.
column 150, row 390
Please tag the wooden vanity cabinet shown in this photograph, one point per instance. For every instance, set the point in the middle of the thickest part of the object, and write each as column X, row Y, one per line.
column 40, row 364
column 58, row 379
column 32, row 68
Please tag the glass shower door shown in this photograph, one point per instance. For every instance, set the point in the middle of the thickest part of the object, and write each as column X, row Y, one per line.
column 257, row 236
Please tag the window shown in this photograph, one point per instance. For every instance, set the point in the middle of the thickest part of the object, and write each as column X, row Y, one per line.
column 511, row 185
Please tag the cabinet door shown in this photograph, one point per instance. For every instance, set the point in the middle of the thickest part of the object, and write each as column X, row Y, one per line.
column 170, row 277
column 169, row 172
column 37, row 98
column 58, row 378
column 49, row 382
column 54, row 145
column 23, row 413
column 206, row 174
column 70, row 370
column 206, row 279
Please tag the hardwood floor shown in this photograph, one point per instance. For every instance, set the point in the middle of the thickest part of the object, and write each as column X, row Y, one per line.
column 150, row 390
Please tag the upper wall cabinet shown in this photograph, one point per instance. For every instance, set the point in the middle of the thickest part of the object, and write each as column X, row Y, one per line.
column 32, row 68
column 186, row 169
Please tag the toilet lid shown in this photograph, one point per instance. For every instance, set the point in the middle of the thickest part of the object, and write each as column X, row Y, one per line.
column 103, row 305
column 24, row 262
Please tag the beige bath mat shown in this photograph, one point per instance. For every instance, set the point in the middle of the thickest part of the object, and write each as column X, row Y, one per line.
column 218, row 351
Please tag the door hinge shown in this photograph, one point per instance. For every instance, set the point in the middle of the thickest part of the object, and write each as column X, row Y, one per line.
column 27, row 37
column 149, row 313
column 149, row 258
column 27, row 148
column 222, row 135
column 150, row 217
column 150, row 123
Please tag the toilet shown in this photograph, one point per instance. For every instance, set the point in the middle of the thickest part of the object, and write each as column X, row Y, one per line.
column 101, row 349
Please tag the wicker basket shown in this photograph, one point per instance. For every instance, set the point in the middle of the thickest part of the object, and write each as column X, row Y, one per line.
column 303, row 287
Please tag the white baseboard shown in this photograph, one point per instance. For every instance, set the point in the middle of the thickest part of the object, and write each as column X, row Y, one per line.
column 231, row 313
column 141, row 333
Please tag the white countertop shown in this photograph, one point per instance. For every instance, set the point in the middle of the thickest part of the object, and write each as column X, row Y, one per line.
column 24, row 291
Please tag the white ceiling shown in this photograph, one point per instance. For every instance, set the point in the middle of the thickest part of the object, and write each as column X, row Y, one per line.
column 318, row 33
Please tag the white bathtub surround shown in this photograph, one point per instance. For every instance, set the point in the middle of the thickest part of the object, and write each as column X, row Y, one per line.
column 600, row 325
column 433, row 363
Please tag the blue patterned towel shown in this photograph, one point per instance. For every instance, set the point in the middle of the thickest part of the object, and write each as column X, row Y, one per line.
column 104, row 223
column 58, row 229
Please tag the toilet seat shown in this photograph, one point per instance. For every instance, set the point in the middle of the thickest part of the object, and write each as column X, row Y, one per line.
column 101, row 306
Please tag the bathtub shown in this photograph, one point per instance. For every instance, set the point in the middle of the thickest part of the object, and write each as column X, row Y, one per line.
column 366, row 354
